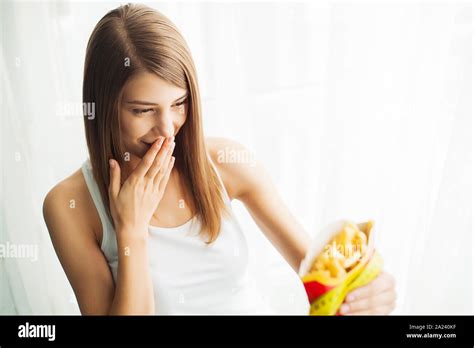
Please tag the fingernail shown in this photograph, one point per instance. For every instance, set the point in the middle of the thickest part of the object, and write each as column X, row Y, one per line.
column 111, row 163
column 344, row 309
column 159, row 142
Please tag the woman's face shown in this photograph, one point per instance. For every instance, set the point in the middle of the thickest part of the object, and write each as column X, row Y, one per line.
column 150, row 108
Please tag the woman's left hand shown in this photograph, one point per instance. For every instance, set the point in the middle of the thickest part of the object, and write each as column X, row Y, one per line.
column 377, row 297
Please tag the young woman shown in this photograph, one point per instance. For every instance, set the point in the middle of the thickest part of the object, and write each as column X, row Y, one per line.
column 152, row 229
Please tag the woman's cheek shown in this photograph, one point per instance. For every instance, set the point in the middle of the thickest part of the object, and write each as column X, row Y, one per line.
column 132, row 129
column 182, row 115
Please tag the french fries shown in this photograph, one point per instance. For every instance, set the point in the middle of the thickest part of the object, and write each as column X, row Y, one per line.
column 341, row 254
column 341, row 258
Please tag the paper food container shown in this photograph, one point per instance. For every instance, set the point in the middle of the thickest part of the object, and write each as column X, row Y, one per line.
column 327, row 294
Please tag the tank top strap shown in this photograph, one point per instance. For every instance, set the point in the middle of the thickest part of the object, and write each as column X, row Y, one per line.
column 97, row 199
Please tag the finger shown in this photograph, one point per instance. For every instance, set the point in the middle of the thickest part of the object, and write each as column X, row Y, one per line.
column 147, row 160
column 383, row 282
column 114, row 185
column 161, row 159
column 164, row 181
column 384, row 298
column 164, row 167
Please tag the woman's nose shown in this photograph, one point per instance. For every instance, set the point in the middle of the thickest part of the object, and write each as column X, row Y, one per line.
column 164, row 126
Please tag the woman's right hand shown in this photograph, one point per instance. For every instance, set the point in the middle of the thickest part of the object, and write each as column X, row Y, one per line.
column 133, row 203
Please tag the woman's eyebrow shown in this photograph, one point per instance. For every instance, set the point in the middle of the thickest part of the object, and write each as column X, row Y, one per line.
column 142, row 102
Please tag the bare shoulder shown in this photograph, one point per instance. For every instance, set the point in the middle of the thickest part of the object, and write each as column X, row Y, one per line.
column 65, row 193
column 69, row 202
column 236, row 164
column 69, row 215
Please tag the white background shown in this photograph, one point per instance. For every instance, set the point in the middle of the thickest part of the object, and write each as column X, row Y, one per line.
column 358, row 111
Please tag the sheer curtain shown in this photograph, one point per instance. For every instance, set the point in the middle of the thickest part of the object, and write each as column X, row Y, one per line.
column 357, row 110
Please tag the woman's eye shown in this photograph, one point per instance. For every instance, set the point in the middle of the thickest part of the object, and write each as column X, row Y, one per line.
column 141, row 111
column 144, row 111
column 181, row 103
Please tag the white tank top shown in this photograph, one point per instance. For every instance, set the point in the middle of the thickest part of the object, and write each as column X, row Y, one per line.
column 190, row 277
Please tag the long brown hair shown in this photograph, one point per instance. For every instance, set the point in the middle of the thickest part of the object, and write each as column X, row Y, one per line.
column 127, row 40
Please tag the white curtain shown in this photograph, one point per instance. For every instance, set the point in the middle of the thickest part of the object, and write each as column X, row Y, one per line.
column 358, row 111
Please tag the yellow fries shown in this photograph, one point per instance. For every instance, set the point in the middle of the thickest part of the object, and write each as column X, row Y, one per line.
column 341, row 254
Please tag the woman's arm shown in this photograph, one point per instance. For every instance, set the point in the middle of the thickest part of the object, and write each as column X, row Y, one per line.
column 77, row 250
column 86, row 267
column 275, row 220
column 132, row 205
column 250, row 183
